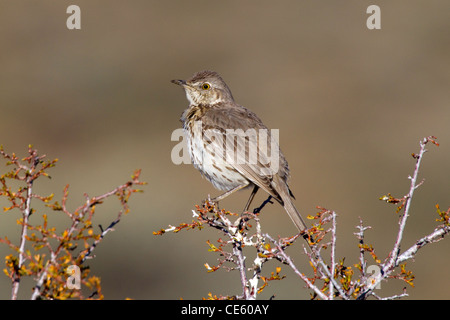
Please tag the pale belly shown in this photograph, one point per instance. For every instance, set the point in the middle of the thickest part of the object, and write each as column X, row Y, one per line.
column 213, row 166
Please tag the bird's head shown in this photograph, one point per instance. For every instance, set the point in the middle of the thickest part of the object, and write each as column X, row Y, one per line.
column 205, row 88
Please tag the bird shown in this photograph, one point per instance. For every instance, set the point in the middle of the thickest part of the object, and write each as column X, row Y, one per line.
column 230, row 145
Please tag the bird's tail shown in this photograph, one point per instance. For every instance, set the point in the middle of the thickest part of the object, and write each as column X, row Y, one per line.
column 285, row 195
column 293, row 213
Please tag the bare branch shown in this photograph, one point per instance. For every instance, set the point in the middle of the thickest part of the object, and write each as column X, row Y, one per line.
column 336, row 277
column 393, row 261
column 288, row 260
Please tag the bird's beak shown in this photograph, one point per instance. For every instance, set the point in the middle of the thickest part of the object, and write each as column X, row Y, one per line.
column 179, row 82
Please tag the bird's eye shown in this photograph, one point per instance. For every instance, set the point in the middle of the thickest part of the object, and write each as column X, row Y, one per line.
column 206, row 86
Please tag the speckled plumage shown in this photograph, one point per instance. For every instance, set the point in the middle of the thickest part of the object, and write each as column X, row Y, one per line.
column 213, row 117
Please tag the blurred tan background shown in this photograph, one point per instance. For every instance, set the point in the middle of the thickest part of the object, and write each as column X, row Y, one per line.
column 351, row 105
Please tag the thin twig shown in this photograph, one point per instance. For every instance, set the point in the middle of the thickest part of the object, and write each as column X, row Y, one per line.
column 396, row 250
column 76, row 219
column 102, row 235
column 393, row 260
column 288, row 260
column 437, row 235
column 25, row 215
column 333, row 255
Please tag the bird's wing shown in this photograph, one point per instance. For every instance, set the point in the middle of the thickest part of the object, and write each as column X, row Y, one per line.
column 255, row 151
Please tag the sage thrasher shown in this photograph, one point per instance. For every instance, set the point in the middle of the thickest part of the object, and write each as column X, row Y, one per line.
column 230, row 145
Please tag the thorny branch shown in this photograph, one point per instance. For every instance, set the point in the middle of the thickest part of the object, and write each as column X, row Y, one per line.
column 49, row 273
column 393, row 260
column 330, row 279
column 27, row 172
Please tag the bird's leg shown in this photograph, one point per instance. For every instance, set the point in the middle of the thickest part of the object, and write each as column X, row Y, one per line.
column 226, row 194
column 258, row 210
column 252, row 195
column 243, row 218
